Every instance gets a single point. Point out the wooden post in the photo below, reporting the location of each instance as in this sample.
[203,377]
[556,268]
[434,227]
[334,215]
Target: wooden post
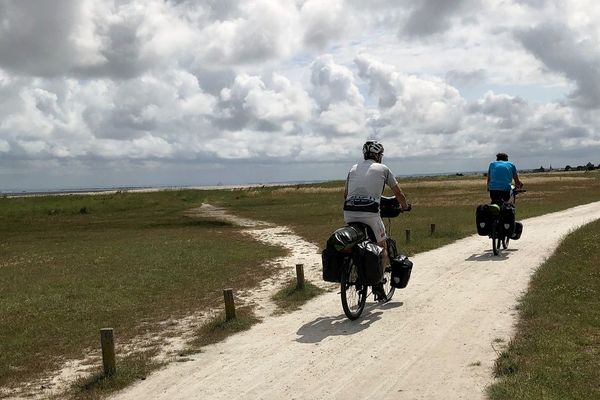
[300,276]
[432,229]
[408,236]
[229,304]
[108,351]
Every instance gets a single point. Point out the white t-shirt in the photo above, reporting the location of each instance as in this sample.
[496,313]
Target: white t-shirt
[367,180]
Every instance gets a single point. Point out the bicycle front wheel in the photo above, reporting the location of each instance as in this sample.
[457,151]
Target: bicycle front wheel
[495,239]
[387,283]
[353,294]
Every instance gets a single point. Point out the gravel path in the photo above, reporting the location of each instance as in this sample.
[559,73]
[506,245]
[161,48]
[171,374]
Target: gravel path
[437,339]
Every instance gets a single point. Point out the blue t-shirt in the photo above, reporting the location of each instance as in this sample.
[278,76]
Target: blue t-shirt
[501,175]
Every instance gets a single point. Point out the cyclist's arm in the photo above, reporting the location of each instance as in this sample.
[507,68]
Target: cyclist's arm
[346,187]
[518,182]
[400,196]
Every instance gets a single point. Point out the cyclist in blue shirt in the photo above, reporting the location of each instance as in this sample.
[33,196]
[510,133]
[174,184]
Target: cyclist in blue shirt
[499,178]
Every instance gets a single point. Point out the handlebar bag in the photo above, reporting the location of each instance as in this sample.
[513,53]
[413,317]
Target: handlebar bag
[368,257]
[401,270]
[389,207]
[333,262]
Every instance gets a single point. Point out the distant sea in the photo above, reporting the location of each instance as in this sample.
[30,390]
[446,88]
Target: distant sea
[113,189]
[99,190]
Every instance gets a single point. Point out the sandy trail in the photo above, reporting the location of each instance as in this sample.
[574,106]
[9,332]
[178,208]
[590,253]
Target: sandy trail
[437,339]
[174,335]
[300,252]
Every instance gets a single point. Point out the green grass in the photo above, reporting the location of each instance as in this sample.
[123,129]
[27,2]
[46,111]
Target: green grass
[291,297]
[129,369]
[130,260]
[556,351]
[447,202]
[133,260]
[219,328]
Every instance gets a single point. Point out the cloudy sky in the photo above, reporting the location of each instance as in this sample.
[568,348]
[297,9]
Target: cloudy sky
[182,92]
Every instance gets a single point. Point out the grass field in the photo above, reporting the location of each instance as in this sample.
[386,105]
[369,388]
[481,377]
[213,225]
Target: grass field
[314,211]
[129,261]
[556,352]
[70,265]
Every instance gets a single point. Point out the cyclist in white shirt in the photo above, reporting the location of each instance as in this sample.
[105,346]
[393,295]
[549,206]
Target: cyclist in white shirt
[364,187]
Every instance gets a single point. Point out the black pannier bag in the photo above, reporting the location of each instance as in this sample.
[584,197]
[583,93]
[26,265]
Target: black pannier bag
[333,262]
[368,257]
[401,270]
[344,238]
[507,218]
[517,232]
[483,219]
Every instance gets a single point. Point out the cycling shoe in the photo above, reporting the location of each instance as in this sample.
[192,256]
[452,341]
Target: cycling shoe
[379,293]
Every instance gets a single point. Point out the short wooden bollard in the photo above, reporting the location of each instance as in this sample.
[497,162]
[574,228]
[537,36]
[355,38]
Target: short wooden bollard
[229,304]
[108,351]
[432,229]
[300,276]
[408,236]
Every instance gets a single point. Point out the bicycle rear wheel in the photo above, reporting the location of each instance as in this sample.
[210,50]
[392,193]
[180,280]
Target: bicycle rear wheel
[353,294]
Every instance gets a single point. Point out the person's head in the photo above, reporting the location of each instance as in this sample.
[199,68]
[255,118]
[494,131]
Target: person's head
[373,150]
[501,157]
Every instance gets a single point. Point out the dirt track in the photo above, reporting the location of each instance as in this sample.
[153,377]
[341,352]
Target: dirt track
[437,339]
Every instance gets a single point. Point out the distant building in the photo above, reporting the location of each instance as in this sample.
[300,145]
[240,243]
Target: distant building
[540,169]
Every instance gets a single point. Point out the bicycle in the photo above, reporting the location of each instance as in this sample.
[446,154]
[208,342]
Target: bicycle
[353,291]
[499,234]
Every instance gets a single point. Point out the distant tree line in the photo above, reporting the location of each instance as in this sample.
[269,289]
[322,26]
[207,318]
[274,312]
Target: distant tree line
[587,167]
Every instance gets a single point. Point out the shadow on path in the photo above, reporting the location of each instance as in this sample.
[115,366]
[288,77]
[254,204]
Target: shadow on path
[489,256]
[323,327]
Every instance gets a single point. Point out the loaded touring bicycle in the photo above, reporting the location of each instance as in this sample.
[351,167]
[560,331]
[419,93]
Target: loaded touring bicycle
[353,259]
[497,221]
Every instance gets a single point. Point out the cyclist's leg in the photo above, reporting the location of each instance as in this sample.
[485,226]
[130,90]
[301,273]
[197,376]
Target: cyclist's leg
[376,224]
[378,228]
[496,197]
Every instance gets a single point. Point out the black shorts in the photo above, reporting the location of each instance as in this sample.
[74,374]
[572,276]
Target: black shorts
[499,196]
